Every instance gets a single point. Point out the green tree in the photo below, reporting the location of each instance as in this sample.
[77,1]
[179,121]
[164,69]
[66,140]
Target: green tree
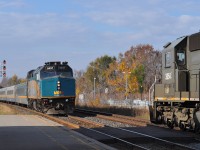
[139,73]
[97,69]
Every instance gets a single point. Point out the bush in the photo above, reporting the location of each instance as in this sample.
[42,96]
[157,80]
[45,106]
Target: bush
[135,112]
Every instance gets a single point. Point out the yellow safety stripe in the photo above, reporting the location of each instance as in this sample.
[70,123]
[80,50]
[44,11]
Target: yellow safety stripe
[21,96]
[176,98]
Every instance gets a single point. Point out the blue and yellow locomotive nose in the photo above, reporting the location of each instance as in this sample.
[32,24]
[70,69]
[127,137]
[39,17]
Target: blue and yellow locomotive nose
[57,87]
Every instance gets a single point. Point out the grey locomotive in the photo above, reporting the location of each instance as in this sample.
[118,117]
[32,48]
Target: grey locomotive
[175,101]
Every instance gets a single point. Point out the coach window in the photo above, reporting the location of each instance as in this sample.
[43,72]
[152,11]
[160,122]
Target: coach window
[168,59]
[180,57]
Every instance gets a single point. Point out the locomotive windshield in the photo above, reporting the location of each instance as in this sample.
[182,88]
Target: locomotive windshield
[180,57]
[51,71]
[46,74]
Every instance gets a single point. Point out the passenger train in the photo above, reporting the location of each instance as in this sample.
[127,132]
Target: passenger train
[50,87]
[176,101]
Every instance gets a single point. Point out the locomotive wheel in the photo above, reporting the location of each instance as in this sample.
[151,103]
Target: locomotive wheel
[182,126]
[30,104]
[34,105]
[197,130]
[175,121]
[159,119]
[170,124]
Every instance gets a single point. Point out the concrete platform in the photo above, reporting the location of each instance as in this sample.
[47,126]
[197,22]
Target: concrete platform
[31,132]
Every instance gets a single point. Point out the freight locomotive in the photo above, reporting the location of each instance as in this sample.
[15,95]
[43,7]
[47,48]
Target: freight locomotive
[175,101]
[50,87]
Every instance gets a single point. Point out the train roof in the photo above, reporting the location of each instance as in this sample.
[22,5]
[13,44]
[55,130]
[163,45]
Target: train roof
[170,45]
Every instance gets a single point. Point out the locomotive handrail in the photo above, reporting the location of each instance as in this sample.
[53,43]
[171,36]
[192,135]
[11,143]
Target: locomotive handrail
[189,70]
[184,70]
[150,90]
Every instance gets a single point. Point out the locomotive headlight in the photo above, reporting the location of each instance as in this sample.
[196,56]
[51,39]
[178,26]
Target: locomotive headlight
[58,85]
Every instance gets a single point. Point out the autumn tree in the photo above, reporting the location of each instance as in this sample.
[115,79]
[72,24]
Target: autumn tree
[81,86]
[120,76]
[149,59]
[131,73]
[96,71]
[14,80]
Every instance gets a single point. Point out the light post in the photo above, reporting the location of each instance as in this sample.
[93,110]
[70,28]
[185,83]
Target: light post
[126,73]
[94,89]
[141,91]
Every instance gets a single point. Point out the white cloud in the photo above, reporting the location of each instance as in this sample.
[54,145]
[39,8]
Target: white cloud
[32,28]
[11,3]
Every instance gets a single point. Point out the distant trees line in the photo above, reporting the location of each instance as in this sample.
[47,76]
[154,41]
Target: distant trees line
[129,75]
[11,81]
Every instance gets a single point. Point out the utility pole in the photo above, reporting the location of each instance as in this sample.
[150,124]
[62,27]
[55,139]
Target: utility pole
[94,89]
[126,74]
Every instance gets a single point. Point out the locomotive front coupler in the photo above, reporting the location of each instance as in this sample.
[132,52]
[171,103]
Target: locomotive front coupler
[59,106]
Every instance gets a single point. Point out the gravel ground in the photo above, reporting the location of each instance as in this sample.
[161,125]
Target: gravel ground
[86,125]
[108,122]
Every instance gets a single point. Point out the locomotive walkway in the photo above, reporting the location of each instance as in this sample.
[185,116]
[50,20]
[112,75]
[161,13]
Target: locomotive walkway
[33,132]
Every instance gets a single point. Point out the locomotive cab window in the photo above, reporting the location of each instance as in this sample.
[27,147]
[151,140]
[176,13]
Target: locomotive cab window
[180,57]
[62,71]
[168,59]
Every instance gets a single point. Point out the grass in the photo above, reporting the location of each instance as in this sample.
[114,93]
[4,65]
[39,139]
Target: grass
[6,110]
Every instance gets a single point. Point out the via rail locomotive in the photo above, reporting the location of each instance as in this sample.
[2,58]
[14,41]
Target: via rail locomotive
[48,88]
[176,101]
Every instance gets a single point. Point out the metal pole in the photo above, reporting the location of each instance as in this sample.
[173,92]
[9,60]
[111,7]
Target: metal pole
[126,74]
[150,90]
[126,85]
[94,89]
[141,91]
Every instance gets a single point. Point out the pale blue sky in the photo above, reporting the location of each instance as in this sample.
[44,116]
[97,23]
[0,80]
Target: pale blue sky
[78,31]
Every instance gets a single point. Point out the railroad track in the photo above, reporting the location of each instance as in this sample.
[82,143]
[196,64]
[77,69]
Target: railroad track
[136,140]
[120,138]
[132,139]
[117,118]
[121,118]
[159,143]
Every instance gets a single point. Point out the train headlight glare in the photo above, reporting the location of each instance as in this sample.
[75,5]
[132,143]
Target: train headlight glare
[67,100]
[58,82]
[50,100]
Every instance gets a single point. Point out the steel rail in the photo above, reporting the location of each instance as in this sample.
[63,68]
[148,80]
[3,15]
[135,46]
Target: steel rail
[121,140]
[146,135]
[162,140]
